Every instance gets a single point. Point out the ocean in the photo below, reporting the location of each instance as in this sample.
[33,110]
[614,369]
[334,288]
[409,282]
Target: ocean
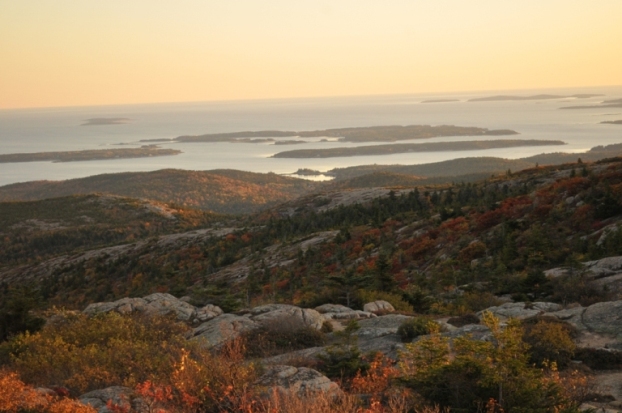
[59,129]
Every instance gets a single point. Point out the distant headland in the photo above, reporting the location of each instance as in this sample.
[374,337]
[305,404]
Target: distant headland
[533,97]
[413,147]
[440,100]
[105,121]
[88,155]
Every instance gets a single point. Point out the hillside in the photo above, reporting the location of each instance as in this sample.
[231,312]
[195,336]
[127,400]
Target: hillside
[35,230]
[453,169]
[428,238]
[221,191]
[518,273]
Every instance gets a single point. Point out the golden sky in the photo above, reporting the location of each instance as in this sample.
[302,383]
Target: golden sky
[91,52]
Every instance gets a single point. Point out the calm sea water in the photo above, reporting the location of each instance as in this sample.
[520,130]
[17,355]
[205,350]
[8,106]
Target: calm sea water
[58,129]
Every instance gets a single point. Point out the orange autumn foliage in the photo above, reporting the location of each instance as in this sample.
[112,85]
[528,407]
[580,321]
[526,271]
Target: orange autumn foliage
[17,397]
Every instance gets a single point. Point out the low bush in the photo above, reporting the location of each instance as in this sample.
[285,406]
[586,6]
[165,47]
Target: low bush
[463,320]
[280,336]
[550,340]
[413,328]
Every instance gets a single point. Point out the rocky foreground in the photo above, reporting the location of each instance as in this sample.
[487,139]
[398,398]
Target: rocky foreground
[598,327]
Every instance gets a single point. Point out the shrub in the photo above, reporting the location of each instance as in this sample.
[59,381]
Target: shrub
[549,341]
[85,354]
[413,328]
[468,373]
[463,320]
[281,335]
[18,397]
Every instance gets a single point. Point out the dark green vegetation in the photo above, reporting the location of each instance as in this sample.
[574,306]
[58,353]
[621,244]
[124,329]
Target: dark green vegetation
[414,147]
[88,155]
[106,121]
[613,122]
[369,134]
[614,103]
[36,230]
[534,97]
[223,191]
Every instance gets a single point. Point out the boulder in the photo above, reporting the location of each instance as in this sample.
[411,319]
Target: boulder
[333,308]
[208,312]
[604,267]
[161,303]
[299,380]
[604,318]
[158,303]
[378,306]
[352,315]
[274,312]
[225,327]
[341,312]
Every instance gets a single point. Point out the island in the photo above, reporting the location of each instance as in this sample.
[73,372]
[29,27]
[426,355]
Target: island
[414,147]
[289,142]
[613,122]
[614,103]
[89,155]
[248,140]
[440,101]
[307,172]
[362,134]
[106,121]
[533,97]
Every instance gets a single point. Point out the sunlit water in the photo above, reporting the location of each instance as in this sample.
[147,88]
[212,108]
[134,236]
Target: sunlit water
[38,130]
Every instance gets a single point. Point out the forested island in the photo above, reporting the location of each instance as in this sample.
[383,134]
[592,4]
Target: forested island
[106,121]
[88,155]
[613,122]
[364,134]
[413,147]
[533,97]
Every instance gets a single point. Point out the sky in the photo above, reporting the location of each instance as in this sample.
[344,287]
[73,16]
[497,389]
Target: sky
[92,52]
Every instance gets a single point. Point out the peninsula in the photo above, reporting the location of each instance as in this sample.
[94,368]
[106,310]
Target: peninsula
[88,155]
[106,121]
[613,122]
[440,101]
[413,147]
[533,97]
[364,134]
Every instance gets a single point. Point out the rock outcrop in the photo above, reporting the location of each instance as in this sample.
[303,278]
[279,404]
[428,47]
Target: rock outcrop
[223,328]
[158,303]
[300,380]
[271,312]
[521,310]
[379,306]
[341,312]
